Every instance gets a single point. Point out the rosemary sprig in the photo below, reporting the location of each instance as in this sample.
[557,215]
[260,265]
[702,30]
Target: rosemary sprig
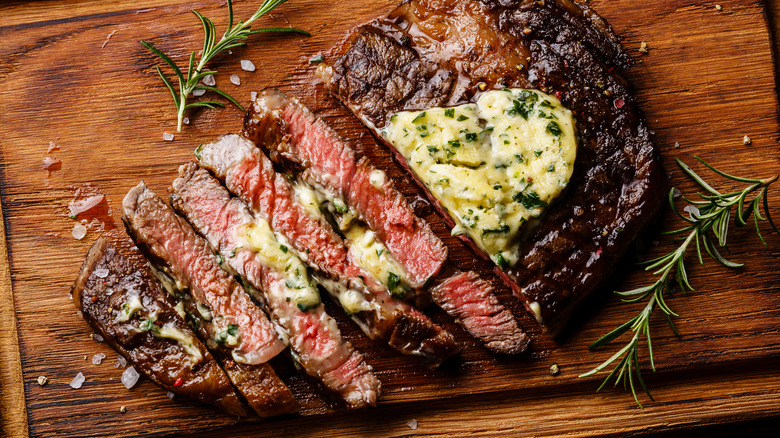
[234,36]
[708,225]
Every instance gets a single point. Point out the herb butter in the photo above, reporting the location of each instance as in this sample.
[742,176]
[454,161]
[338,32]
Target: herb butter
[494,165]
[366,249]
[272,251]
[372,255]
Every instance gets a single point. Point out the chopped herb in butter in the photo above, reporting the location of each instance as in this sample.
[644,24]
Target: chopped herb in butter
[273,252]
[494,165]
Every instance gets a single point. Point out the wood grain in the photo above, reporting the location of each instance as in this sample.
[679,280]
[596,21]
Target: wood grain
[13,417]
[707,81]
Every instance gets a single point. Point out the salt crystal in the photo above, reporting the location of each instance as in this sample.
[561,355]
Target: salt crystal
[209,80]
[79,231]
[98,358]
[676,193]
[48,162]
[692,211]
[170,395]
[186,120]
[167,136]
[253,95]
[130,377]
[98,338]
[78,206]
[247,65]
[120,361]
[107,38]
[102,272]
[412,424]
[77,381]
[198,93]
[235,79]
[676,144]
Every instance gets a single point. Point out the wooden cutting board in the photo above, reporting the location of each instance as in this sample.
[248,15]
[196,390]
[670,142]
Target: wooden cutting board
[73,73]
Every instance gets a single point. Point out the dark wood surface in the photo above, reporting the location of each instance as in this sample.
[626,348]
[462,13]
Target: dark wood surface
[707,81]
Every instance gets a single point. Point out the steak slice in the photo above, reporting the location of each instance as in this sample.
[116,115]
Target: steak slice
[432,53]
[315,338]
[292,136]
[249,174]
[472,302]
[116,293]
[237,331]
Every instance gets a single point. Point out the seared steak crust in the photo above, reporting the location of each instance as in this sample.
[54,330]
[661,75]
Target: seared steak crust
[559,47]
[107,284]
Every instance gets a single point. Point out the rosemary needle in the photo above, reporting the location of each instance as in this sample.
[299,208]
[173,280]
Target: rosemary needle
[234,36]
[708,224]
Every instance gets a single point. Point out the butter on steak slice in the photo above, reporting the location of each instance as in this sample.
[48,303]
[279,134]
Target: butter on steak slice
[124,303]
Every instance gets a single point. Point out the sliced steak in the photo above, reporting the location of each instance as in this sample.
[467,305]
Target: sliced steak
[249,174]
[294,137]
[117,294]
[431,53]
[470,299]
[237,331]
[280,276]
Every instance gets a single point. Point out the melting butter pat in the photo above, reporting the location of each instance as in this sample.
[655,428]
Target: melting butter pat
[373,256]
[170,332]
[494,165]
[260,238]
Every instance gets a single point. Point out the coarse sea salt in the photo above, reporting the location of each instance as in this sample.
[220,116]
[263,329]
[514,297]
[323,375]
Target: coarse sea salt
[209,80]
[130,377]
[49,162]
[79,231]
[186,120]
[412,424]
[98,358]
[77,381]
[120,361]
[235,79]
[692,211]
[247,65]
[81,205]
[167,136]
[101,272]
[253,95]
[170,395]
[198,93]
[98,338]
